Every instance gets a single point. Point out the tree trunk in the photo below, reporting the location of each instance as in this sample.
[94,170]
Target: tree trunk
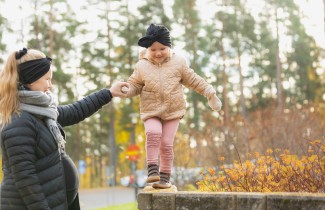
[241,85]
[278,66]
[324,14]
[36,26]
[224,87]
[50,28]
[111,109]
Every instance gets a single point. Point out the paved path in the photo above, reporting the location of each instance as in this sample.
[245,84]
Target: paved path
[96,198]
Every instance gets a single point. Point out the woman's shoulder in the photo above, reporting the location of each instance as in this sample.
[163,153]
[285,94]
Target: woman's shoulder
[21,131]
[22,115]
[22,119]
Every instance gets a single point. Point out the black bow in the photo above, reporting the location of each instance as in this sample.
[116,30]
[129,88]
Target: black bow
[155,33]
[20,53]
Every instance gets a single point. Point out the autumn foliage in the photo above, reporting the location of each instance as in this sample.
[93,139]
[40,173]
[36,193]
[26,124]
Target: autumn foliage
[276,171]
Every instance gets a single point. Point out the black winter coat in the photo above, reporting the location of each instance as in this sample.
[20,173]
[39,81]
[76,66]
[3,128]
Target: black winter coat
[33,171]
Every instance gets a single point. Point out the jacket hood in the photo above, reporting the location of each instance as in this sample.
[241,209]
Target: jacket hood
[142,54]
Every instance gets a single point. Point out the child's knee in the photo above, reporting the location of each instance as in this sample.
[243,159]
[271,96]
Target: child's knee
[153,138]
[167,152]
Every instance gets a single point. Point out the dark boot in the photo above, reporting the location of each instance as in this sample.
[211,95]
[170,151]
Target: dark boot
[164,181]
[153,173]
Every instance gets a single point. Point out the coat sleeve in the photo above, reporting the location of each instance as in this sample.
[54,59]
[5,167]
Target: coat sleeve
[135,83]
[192,80]
[19,142]
[73,113]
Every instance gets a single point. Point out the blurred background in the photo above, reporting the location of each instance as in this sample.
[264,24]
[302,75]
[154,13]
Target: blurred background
[264,57]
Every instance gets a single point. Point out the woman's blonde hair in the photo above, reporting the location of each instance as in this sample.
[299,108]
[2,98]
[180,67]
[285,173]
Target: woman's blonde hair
[9,82]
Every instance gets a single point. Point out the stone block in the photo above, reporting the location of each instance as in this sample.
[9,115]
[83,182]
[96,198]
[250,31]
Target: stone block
[155,200]
[163,201]
[295,201]
[251,201]
[145,201]
[205,201]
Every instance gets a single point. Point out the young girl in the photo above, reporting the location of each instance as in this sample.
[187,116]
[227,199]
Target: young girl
[37,172]
[158,78]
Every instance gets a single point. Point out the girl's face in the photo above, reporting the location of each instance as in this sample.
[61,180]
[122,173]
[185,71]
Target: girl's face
[158,52]
[43,84]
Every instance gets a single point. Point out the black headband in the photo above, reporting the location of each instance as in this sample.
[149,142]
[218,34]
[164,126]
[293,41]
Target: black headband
[32,70]
[155,33]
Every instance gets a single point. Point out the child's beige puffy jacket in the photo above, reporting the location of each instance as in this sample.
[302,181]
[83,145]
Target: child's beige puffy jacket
[160,87]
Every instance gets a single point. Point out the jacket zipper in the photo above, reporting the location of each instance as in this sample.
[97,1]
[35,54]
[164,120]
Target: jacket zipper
[161,89]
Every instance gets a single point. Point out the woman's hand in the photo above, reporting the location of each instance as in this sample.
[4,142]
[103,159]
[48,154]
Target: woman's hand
[117,91]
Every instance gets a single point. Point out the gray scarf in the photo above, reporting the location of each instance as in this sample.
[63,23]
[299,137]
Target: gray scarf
[43,104]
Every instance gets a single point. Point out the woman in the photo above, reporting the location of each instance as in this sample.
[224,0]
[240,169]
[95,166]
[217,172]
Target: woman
[38,174]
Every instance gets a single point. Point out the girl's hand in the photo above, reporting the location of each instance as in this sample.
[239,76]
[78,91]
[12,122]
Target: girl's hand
[214,102]
[124,89]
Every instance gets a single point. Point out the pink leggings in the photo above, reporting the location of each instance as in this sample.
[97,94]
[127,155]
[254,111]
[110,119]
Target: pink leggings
[160,138]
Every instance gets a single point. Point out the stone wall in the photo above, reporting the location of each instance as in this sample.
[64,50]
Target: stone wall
[230,201]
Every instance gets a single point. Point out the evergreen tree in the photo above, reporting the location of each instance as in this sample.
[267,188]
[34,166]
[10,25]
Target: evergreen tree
[188,21]
[303,62]
[4,27]
[99,67]
[263,67]
[53,24]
